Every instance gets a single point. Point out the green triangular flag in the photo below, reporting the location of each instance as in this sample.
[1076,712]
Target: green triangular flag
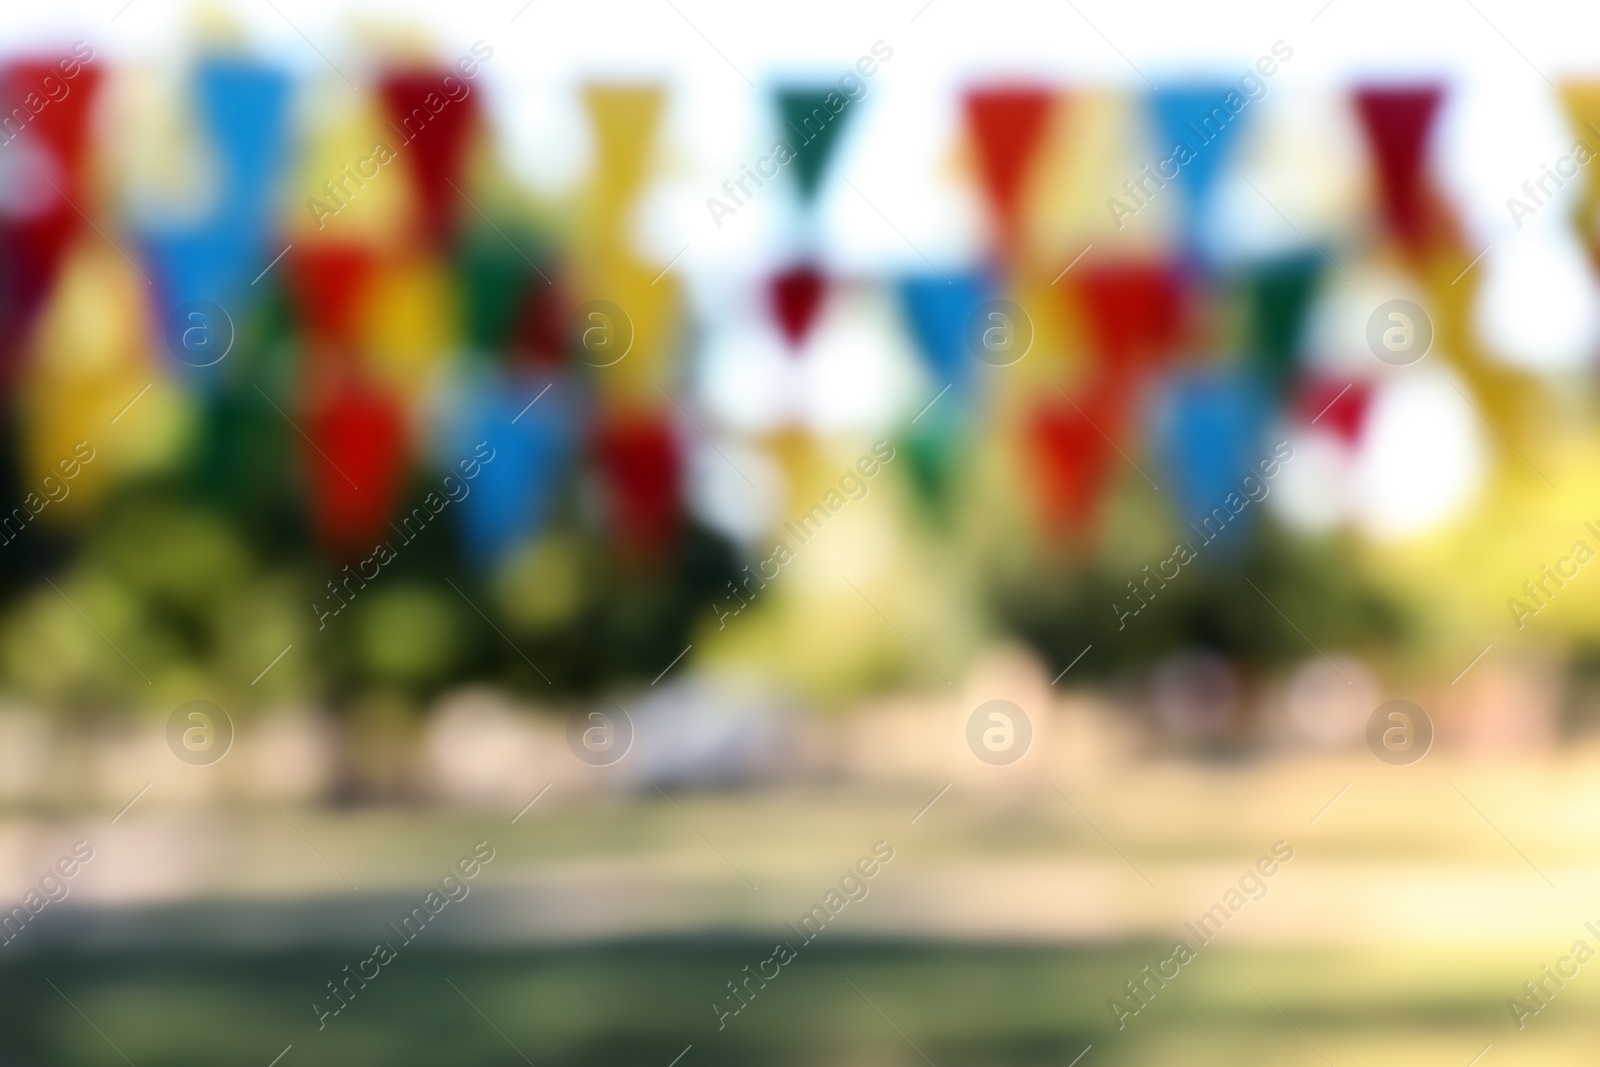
[811,129]
[1280,296]
[934,453]
[495,276]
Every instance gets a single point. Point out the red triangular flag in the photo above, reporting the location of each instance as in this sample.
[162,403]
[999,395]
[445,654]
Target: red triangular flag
[1397,122]
[539,339]
[355,465]
[640,469]
[324,284]
[64,123]
[796,299]
[1073,456]
[1006,124]
[34,239]
[431,140]
[1135,312]
[1339,408]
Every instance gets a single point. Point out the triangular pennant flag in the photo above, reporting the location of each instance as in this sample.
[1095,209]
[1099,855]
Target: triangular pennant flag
[932,449]
[355,464]
[1068,440]
[641,343]
[938,311]
[63,126]
[1006,124]
[1210,439]
[640,470]
[811,129]
[1280,293]
[1397,122]
[1135,312]
[244,107]
[1196,126]
[243,110]
[496,277]
[524,449]
[326,283]
[31,251]
[37,223]
[200,263]
[89,356]
[796,298]
[624,120]
[1340,408]
[1581,101]
[539,339]
[431,130]
[408,331]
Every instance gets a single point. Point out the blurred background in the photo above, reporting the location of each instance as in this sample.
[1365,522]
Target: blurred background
[555,492]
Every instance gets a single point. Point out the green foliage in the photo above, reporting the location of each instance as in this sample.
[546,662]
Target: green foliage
[1271,605]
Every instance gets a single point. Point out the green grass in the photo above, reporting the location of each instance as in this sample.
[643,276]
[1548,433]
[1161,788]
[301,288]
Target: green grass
[643,1003]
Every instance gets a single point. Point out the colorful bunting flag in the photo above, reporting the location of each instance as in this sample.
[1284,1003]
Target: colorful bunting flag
[796,296]
[1006,125]
[1398,122]
[812,127]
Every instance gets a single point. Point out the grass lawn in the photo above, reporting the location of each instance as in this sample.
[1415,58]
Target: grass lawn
[841,1003]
